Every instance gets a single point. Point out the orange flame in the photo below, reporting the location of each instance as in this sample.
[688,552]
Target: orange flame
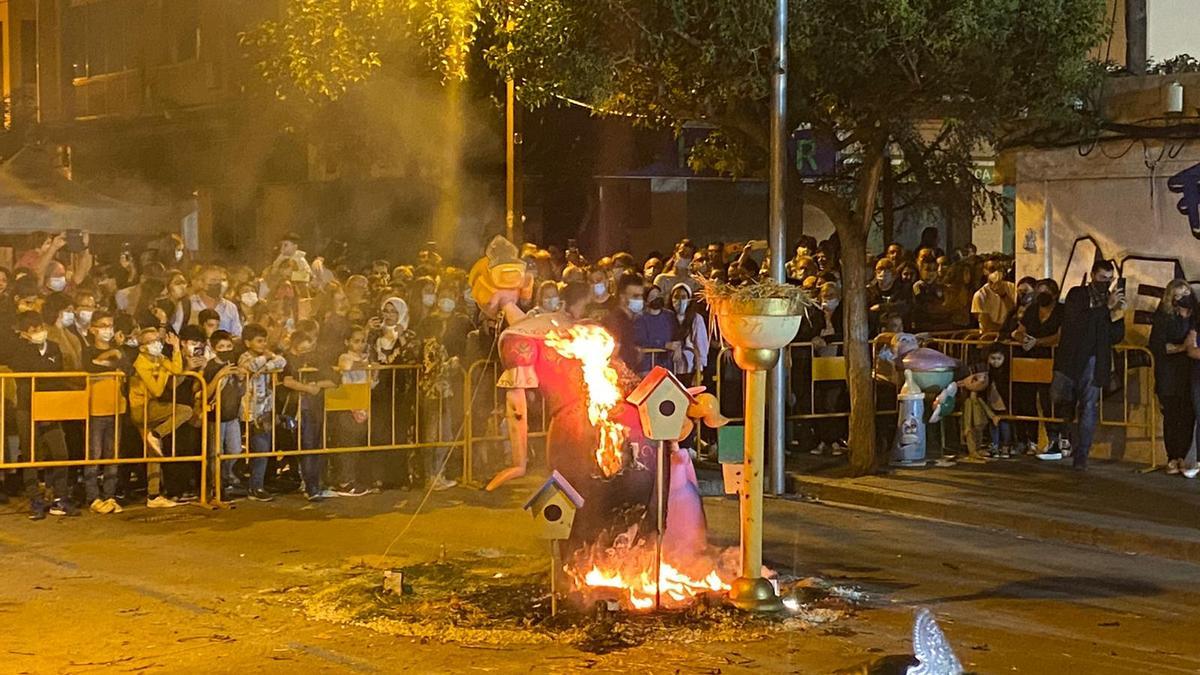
[593,347]
[639,590]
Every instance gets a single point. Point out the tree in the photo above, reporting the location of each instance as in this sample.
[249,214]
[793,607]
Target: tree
[931,82]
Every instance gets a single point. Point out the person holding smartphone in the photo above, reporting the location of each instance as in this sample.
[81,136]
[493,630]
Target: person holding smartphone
[1093,321]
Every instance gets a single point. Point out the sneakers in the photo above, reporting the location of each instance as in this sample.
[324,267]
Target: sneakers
[820,449]
[37,509]
[1031,448]
[115,507]
[1065,445]
[154,442]
[840,448]
[1053,451]
[161,502]
[323,495]
[1191,472]
[260,495]
[100,506]
[350,491]
[62,507]
[1173,467]
[440,484]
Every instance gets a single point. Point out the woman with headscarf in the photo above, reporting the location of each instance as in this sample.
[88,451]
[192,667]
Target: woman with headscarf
[689,343]
[392,401]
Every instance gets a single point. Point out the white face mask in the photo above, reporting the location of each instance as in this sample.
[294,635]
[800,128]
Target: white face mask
[178,254]
[428,299]
[105,334]
[155,348]
[599,289]
[84,317]
[131,342]
[68,319]
[38,338]
[446,305]
[636,305]
[249,298]
[682,305]
[552,303]
[57,284]
[224,287]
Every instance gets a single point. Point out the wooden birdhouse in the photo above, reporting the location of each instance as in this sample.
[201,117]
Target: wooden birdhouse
[553,507]
[662,402]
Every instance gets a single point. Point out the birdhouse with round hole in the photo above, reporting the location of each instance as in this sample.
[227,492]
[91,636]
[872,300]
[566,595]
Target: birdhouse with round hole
[553,507]
[662,402]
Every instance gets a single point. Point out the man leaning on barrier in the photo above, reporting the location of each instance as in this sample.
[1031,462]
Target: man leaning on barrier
[34,353]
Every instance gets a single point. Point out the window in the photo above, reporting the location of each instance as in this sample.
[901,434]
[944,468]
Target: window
[182,18]
[102,37]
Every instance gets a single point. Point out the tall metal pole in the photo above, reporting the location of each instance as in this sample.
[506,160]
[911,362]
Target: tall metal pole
[510,163]
[778,232]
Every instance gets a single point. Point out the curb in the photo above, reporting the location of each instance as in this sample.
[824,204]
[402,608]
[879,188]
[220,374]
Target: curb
[1181,544]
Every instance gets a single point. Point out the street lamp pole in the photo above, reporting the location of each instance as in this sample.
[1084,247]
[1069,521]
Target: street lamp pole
[777,433]
[514,221]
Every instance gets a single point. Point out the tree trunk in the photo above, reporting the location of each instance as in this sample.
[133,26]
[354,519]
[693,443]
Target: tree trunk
[854,301]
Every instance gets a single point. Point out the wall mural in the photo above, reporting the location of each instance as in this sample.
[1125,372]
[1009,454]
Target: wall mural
[1187,183]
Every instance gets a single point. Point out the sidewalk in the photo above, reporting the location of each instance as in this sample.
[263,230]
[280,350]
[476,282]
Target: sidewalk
[1111,506]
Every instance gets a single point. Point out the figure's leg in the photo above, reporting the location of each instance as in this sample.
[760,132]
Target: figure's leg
[516,414]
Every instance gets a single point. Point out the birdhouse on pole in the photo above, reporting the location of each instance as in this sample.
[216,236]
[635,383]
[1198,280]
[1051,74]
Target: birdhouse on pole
[553,507]
[662,402]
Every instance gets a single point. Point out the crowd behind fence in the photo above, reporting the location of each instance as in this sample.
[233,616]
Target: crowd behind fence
[386,416]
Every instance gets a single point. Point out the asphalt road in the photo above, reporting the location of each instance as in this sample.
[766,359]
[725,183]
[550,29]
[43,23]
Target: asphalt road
[189,590]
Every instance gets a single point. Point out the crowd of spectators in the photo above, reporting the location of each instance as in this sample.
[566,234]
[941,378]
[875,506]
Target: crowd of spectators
[269,343]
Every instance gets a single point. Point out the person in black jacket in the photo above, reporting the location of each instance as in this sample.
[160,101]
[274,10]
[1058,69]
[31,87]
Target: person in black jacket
[1172,381]
[1093,321]
[34,353]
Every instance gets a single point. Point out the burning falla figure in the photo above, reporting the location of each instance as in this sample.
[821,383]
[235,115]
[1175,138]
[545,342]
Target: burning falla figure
[595,437]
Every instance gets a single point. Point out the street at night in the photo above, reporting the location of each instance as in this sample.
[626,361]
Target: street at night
[189,590]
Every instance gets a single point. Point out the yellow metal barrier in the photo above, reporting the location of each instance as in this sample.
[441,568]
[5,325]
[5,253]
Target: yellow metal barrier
[82,397]
[404,425]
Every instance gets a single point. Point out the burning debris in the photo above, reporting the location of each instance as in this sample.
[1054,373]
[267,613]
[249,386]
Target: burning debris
[479,599]
[624,571]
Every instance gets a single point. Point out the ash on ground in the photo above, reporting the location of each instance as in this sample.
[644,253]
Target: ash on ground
[486,598]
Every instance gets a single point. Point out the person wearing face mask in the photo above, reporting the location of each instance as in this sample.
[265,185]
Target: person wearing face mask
[689,341]
[602,301]
[34,353]
[620,320]
[1093,321]
[547,299]
[677,274]
[1037,333]
[1172,371]
[822,328]
[392,344]
[103,355]
[995,300]
[153,417]
[446,324]
[59,315]
[85,308]
[886,293]
[653,329]
[213,284]
[225,392]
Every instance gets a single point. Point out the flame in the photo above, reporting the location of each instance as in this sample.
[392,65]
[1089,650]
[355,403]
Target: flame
[593,347]
[622,569]
[677,588]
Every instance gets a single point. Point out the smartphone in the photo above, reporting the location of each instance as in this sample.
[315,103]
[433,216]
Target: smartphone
[75,241]
[1121,284]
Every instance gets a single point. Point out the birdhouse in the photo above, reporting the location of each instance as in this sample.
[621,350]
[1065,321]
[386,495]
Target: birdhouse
[553,507]
[662,402]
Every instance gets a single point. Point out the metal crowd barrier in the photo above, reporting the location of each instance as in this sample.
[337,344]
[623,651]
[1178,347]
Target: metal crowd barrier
[402,433]
[81,398]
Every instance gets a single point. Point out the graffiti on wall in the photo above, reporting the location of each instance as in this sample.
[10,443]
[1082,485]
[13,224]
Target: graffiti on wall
[1187,184]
